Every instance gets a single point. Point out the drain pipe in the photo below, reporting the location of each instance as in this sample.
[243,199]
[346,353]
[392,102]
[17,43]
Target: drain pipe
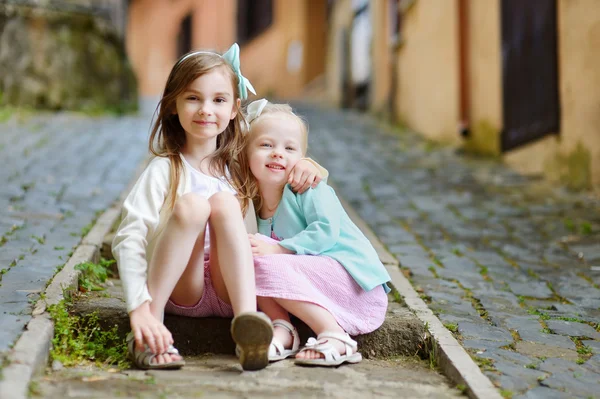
[463,68]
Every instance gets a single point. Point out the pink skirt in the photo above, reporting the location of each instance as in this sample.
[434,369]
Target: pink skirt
[324,282]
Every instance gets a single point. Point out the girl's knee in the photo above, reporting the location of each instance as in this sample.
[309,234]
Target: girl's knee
[224,204]
[191,209]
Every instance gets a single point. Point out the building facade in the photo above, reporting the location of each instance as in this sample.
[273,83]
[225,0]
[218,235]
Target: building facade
[283,42]
[507,78]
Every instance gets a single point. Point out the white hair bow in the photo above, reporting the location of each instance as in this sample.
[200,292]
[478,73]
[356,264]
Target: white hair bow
[254,109]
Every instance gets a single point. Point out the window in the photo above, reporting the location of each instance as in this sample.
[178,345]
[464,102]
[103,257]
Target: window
[253,18]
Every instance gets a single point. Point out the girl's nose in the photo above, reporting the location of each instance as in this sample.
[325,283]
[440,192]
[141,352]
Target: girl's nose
[204,109]
[276,154]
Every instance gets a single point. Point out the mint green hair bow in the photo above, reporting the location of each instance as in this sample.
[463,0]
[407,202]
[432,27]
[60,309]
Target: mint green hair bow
[232,56]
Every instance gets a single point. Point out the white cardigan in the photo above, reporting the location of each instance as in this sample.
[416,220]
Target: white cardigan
[145,215]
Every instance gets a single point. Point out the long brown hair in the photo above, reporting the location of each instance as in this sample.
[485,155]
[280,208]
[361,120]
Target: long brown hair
[168,137]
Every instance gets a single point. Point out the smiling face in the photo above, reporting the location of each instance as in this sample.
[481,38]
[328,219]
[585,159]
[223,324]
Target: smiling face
[277,143]
[206,106]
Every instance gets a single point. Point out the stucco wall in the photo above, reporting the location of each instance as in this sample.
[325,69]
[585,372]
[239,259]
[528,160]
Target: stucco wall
[339,20]
[265,58]
[382,53]
[428,100]
[485,76]
[214,25]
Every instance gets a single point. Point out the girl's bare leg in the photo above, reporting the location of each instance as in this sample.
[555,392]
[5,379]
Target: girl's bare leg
[318,319]
[231,263]
[275,311]
[232,275]
[177,267]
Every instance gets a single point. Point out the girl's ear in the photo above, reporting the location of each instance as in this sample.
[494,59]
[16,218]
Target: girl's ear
[238,104]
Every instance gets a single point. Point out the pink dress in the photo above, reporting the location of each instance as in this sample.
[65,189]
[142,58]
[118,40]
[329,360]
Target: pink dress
[322,281]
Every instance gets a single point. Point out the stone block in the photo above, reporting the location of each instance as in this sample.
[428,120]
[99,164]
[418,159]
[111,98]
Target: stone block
[402,333]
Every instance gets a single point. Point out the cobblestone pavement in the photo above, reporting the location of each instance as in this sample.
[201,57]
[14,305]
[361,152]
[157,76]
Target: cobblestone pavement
[504,260]
[58,172]
[217,376]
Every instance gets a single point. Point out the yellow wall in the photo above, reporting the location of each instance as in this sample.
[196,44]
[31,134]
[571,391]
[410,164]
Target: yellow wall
[382,51]
[428,90]
[264,59]
[151,40]
[339,20]
[154,26]
[574,157]
[485,76]
[214,24]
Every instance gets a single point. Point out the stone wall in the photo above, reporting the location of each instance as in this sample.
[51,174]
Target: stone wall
[63,55]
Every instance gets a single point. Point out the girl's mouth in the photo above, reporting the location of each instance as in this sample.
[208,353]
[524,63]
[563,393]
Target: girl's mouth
[275,166]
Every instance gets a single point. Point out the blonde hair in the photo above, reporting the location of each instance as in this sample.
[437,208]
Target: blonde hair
[268,111]
[168,136]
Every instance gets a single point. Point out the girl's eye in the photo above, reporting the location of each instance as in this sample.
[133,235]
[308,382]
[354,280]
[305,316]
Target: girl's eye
[220,100]
[193,98]
[290,148]
[265,145]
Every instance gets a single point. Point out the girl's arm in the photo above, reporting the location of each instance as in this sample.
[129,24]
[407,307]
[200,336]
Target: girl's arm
[305,174]
[323,214]
[140,218]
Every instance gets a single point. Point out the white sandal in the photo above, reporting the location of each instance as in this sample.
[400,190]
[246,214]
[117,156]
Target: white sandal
[332,356]
[143,359]
[276,350]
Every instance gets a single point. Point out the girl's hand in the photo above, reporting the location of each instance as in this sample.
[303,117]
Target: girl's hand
[304,175]
[262,248]
[147,329]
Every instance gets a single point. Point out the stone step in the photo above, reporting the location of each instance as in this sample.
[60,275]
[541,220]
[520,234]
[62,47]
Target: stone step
[402,333]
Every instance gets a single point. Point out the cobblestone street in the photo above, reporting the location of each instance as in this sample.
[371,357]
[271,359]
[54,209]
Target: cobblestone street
[58,171]
[504,260]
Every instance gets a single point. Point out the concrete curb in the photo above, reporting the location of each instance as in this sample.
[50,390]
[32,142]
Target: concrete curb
[453,360]
[30,353]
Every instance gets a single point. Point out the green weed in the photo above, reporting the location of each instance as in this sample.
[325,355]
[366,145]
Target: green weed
[80,339]
[451,327]
[93,274]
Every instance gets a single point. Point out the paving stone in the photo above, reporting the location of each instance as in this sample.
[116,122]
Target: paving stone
[482,345]
[531,289]
[595,345]
[504,355]
[489,259]
[543,393]
[394,234]
[499,302]
[536,349]
[573,329]
[593,364]
[12,327]
[484,332]
[590,251]
[517,377]
[573,385]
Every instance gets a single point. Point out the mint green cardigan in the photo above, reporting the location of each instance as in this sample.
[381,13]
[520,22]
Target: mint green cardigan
[315,223]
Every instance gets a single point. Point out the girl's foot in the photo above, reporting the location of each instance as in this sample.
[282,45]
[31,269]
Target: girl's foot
[326,350]
[313,354]
[165,359]
[252,332]
[145,359]
[285,341]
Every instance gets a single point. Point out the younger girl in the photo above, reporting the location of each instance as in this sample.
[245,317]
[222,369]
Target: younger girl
[341,291]
[187,194]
